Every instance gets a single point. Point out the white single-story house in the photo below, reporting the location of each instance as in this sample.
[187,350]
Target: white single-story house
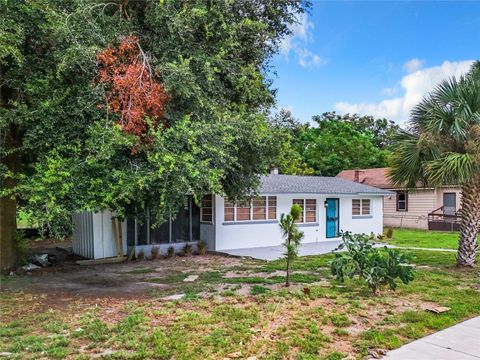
[329,204]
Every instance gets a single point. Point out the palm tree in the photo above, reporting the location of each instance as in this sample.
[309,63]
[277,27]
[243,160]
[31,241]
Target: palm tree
[292,236]
[442,147]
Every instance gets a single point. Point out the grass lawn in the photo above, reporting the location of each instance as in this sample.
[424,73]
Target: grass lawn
[330,320]
[424,239]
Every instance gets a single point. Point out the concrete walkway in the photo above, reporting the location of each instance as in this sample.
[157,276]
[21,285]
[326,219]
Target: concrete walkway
[277,252]
[459,342]
[323,247]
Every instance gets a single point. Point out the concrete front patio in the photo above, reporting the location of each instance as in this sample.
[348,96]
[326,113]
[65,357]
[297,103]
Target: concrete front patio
[459,342]
[276,252]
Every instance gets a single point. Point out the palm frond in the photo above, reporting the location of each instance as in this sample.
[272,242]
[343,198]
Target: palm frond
[407,161]
[450,168]
[441,145]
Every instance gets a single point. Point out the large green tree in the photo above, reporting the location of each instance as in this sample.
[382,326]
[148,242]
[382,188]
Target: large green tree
[63,151]
[336,145]
[442,147]
[381,131]
[286,130]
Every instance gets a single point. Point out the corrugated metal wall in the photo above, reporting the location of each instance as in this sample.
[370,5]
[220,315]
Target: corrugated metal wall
[82,237]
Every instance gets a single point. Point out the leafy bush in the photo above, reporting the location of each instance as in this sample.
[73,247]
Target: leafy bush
[377,267]
[202,247]
[155,252]
[170,251]
[187,250]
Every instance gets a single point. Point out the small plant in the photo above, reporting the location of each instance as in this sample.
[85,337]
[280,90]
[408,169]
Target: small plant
[170,251]
[155,251]
[292,236]
[380,237]
[258,289]
[377,268]
[202,247]
[389,233]
[140,255]
[187,250]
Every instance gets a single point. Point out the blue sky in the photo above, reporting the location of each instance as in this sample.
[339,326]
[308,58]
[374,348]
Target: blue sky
[375,58]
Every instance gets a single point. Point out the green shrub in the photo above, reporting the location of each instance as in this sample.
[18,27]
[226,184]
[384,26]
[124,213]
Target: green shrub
[258,289]
[377,267]
[155,252]
[170,251]
[187,250]
[202,247]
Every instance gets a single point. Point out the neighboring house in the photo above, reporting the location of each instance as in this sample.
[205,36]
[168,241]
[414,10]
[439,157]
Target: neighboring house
[329,204]
[419,208]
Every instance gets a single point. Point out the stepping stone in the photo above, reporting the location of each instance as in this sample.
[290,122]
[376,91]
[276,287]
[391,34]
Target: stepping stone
[190,278]
[173,297]
[107,352]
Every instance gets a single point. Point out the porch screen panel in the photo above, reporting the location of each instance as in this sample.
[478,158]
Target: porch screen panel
[130,231]
[161,233]
[195,222]
[142,232]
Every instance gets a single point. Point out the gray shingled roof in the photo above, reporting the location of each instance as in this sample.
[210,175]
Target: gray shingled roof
[291,184]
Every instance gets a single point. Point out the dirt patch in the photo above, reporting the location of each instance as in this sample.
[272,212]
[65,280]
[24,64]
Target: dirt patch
[136,278]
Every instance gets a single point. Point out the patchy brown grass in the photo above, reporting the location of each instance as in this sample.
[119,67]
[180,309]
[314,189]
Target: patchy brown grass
[83,311]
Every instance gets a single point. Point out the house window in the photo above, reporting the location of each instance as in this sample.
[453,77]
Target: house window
[272,207]
[402,201]
[206,210]
[361,207]
[243,211]
[229,207]
[257,209]
[309,210]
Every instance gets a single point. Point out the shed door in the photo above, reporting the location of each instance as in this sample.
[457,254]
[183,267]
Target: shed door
[449,203]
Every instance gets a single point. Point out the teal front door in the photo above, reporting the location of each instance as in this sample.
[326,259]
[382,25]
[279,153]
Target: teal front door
[332,218]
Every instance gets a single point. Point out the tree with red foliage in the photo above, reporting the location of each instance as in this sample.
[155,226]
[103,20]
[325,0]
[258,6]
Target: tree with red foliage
[132,91]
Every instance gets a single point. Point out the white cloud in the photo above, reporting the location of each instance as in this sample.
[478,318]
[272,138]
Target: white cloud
[295,43]
[306,58]
[390,91]
[413,65]
[414,86]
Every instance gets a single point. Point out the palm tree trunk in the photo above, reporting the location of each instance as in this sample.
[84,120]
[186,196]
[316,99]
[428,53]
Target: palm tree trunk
[470,212]
[287,283]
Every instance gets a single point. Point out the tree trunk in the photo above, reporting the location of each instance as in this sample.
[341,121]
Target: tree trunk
[470,213]
[8,227]
[10,140]
[8,222]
